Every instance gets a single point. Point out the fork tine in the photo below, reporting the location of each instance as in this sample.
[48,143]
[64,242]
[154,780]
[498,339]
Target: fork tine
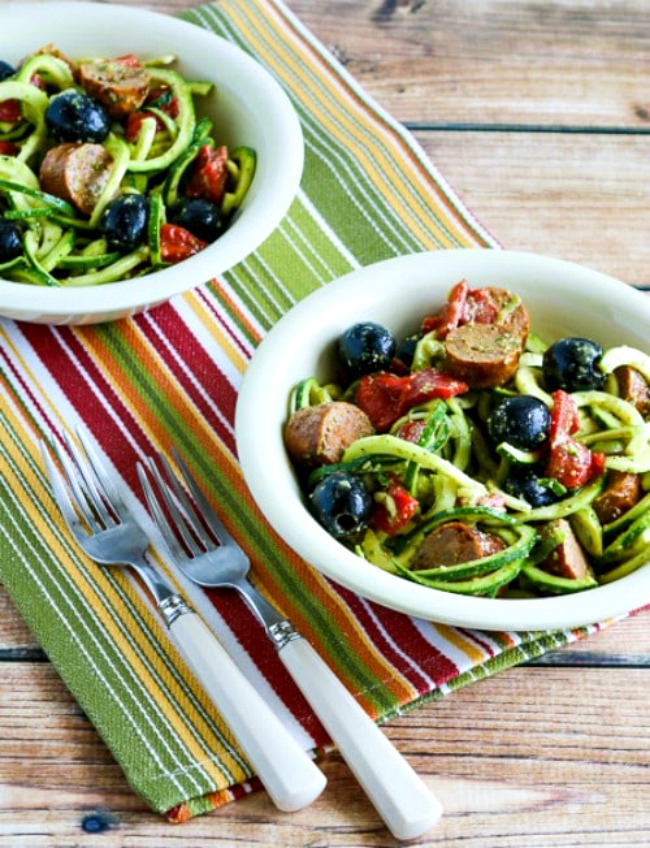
[81,492]
[84,486]
[156,507]
[101,479]
[190,519]
[60,490]
[192,528]
[210,516]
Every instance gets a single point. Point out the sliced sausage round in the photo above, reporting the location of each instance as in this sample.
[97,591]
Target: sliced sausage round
[453,543]
[482,355]
[76,172]
[567,559]
[622,490]
[633,387]
[121,86]
[500,307]
[320,435]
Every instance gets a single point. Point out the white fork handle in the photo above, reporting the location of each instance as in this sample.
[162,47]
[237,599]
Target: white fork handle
[287,772]
[400,796]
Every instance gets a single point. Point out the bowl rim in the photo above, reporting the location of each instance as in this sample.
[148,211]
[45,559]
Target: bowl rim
[260,219]
[313,544]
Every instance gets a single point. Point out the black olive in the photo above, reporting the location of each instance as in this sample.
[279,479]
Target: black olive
[6,70]
[124,221]
[342,504]
[571,364]
[201,217]
[11,241]
[523,421]
[406,349]
[74,116]
[523,481]
[367,347]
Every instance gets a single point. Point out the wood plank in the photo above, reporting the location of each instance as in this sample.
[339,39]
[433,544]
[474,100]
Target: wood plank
[566,62]
[532,756]
[582,198]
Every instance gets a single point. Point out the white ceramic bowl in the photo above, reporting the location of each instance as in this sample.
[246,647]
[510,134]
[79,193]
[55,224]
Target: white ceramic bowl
[563,299]
[248,105]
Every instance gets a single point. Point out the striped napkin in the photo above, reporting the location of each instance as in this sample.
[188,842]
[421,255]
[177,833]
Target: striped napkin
[170,377]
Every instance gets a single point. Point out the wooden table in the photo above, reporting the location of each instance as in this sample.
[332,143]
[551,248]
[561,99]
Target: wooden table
[538,113]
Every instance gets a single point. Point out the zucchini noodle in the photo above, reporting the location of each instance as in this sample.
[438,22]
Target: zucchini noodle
[63,243]
[391,446]
[439,453]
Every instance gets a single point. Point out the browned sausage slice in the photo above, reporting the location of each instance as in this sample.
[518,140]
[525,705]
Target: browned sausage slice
[121,86]
[568,558]
[320,435]
[622,491]
[76,172]
[633,387]
[453,543]
[483,355]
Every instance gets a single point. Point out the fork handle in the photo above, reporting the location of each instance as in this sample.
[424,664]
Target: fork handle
[287,772]
[400,796]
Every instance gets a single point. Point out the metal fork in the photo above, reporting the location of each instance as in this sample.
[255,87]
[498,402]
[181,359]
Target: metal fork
[101,523]
[207,553]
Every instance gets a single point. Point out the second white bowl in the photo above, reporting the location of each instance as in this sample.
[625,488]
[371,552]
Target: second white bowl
[247,105]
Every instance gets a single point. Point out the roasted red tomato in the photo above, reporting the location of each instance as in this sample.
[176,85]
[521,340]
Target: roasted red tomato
[209,174]
[134,122]
[8,148]
[428,384]
[564,416]
[130,60]
[386,397]
[570,462]
[394,508]
[452,313]
[411,431]
[163,100]
[177,243]
[379,395]
[10,112]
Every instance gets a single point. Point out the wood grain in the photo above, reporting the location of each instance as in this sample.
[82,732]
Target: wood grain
[516,757]
[494,61]
[551,752]
[539,116]
[584,198]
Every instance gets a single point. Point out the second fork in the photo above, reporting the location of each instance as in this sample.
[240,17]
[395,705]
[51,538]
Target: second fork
[206,553]
[105,529]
